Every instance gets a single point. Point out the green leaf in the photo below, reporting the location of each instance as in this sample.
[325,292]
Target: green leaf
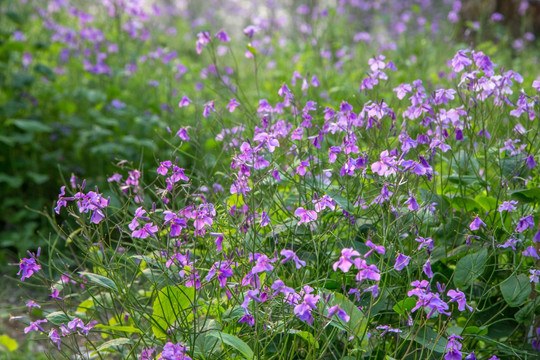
[357,323]
[427,338]
[475,330]
[306,336]
[171,305]
[127,329]
[234,342]
[100,280]
[469,268]
[10,344]
[525,315]
[251,49]
[405,306]
[58,317]
[112,343]
[488,203]
[516,289]
[34,126]
[527,196]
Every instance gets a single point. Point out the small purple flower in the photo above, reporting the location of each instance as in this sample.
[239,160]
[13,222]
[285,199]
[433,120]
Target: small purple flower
[453,348]
[34,326]
[530,252]
[55,338]
[149,229]
[345,261]
[118,104]
[31,304]
[386,328]
[336,310]
[251,30]
[401,262]
[55,294]
[208,107]
[291,255]
[184,102]
[182,134]
[305,216]
[222,36]
[174,352]
[508,206]
[29,266]
[459,297]
[232,105]
[525,223]
[476,223]
[427,269]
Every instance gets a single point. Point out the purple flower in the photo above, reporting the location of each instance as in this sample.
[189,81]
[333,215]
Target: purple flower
[174,352]
[55,338]
[461,60]
[525,223]
[223,271]
[303,310]
[291,255]
[31,304]
[425,242]
[250,30]
[401,262]
[459,297]
[145,231]
[324,202]
[222,36]
[184,102]
[305,216]
[182,134]
[336,310]
[118,104]
[203,38]
[232,105]
[530,252]
[530,162]
[508,206]
[28,267]
[453,348]
[476,223]
[208,107]
[55,294]
[386,328]
[263,263]
[427,269]
[34,326]
[345,261]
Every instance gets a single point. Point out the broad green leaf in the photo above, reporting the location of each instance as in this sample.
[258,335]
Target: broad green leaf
[525,315]
[31,125]
[306,336]
[10,344]
[112,343]
[469,268]
[171,307]
[516,289]
[85,305]
[527,196]
[405,306]
[127,329]
[58,317]
[475,330]
[357,323]
[427,338]
[488,203]
[234,342]
[251,49]
[100,280]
